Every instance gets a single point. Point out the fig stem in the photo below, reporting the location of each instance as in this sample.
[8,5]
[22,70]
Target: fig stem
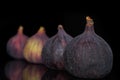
[89,21]
[41,29]
[60,26]
[20,30]
[89,25]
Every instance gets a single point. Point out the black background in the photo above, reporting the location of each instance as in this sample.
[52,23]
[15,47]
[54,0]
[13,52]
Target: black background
[106,25]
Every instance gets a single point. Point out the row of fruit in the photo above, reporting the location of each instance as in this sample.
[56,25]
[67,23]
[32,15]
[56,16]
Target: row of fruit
[86,55]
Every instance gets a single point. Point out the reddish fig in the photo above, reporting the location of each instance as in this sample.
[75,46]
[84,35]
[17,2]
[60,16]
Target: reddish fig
[88,55]
[14,70]
[52,53]
[34,72]
[16,44]
[34,45]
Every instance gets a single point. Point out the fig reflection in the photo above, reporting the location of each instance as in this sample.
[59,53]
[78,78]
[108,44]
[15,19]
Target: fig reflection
[34,72]
[64,75]
[14,69]
[56,75]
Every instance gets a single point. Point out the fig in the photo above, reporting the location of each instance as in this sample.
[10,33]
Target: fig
[52,53]
[34,72]
[14,69]
[88,55]
[34,45]
[15,44]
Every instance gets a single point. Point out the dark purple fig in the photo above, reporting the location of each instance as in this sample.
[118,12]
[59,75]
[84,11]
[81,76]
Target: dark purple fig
[52,53]
[16,44]
[34,45]
[88,55]
[14,69]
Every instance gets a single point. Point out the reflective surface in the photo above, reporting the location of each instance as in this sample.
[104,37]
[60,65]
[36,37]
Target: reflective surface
[22,70]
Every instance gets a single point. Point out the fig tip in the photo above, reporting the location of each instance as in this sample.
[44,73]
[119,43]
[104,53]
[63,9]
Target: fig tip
[41,29]
[89,20]
[60,26]
[20,29]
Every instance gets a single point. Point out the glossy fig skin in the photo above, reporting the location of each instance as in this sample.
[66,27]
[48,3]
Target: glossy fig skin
[52,53]
[88,55]
[34,45]
[15,44]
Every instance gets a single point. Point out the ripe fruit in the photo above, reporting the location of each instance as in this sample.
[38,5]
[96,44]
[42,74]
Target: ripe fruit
[16,44]
[34,72]
[88,55]
[14,69]
[52,53]
[34,45]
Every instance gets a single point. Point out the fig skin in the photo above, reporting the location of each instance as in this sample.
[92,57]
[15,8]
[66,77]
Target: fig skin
[52,53]
[88,55]
[15,44]
[34,45]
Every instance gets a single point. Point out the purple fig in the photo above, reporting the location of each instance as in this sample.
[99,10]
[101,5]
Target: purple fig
[88,55]
[52,53]
[34,45]
[16,44]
